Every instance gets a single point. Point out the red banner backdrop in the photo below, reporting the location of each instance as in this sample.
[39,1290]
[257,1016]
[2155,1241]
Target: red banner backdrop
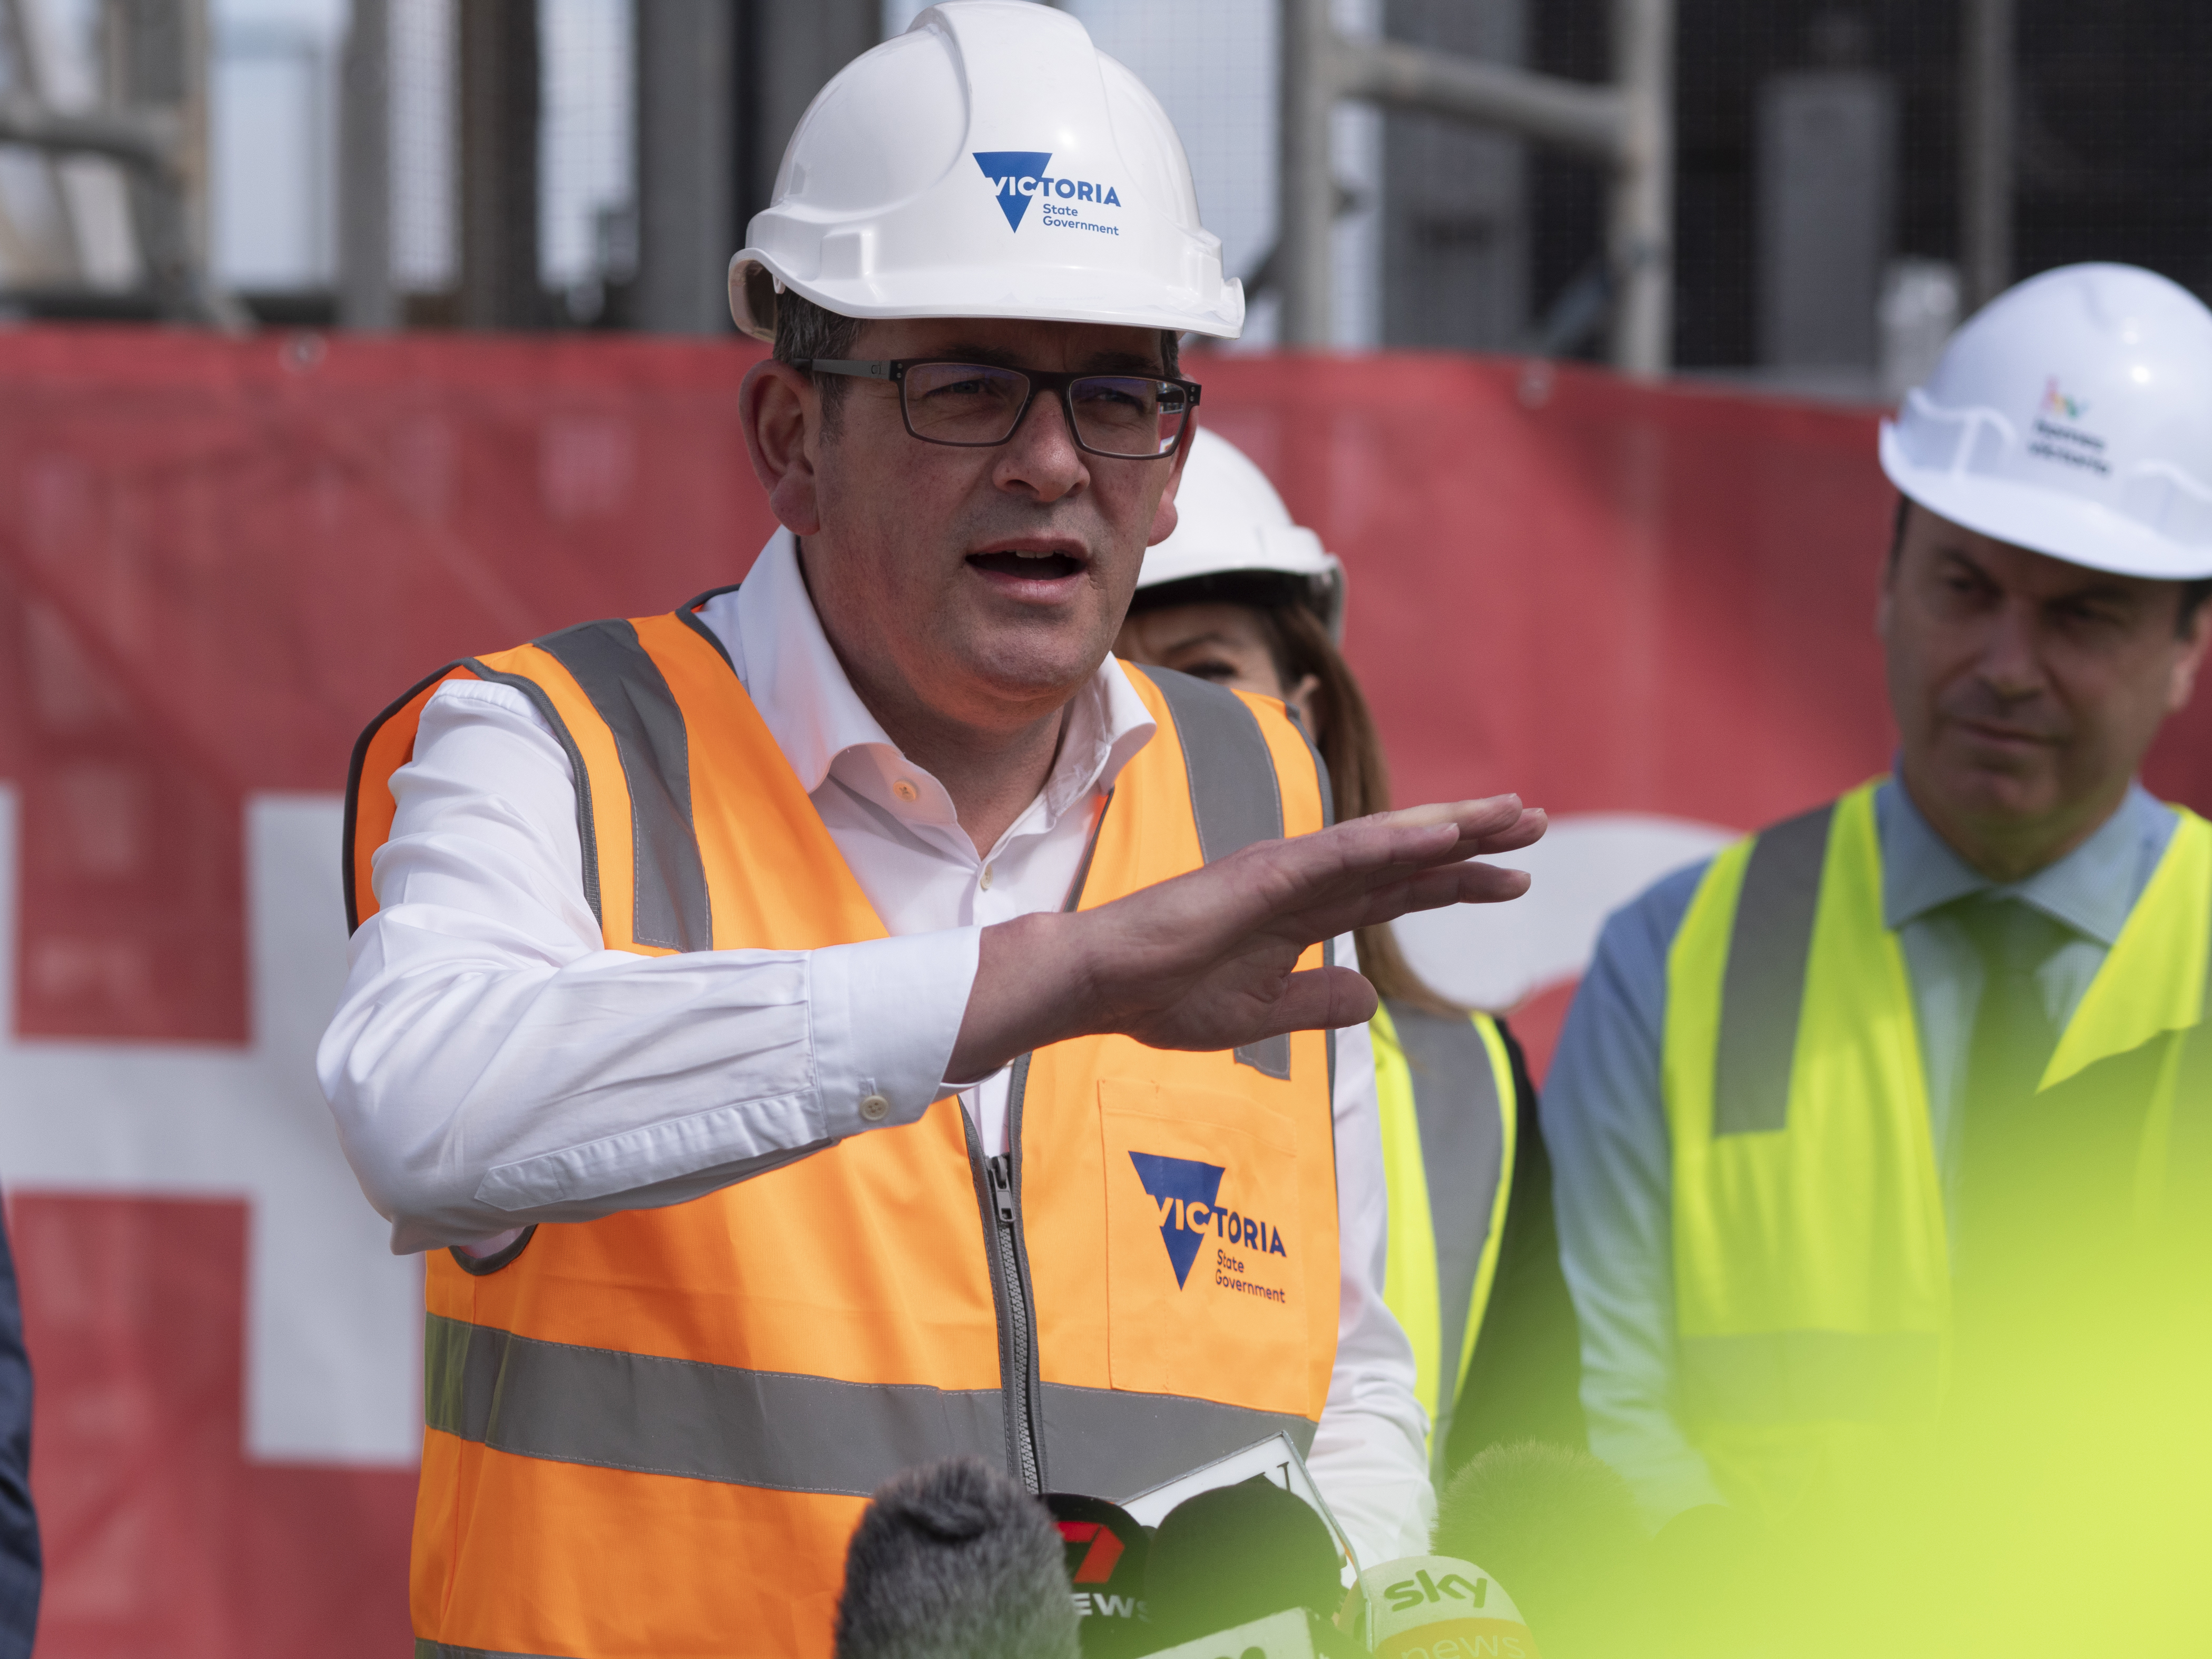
[217,559]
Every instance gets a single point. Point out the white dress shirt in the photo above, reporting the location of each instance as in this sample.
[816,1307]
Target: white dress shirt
[492,1064]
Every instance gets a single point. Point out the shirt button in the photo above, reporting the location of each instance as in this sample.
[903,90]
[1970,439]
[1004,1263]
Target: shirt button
[985,882]
[875,1108]
[906,791]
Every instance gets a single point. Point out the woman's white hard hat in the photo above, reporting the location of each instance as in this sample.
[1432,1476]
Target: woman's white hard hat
[2072,415]
[1230,521]
[988,162]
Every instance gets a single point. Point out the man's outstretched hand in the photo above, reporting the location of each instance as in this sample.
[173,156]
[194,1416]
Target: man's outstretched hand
[1209,960]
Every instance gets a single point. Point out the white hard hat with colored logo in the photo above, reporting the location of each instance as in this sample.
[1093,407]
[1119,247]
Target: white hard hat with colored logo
[2072,415]
[1230,521]
[988,162]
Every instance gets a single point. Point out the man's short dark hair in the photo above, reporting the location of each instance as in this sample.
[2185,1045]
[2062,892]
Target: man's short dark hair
[2193,593]
[804,330]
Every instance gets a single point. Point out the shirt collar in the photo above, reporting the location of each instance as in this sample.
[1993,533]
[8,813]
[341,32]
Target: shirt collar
[784,659]
[2091,890]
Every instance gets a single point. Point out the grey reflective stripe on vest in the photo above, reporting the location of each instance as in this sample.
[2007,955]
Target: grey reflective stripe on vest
[1456,1107]
[1233,795]
[1328,820]
[1109,1441]
[696,1421]
[627,688]
[1809,1376]
[425,1649]
[1762,991]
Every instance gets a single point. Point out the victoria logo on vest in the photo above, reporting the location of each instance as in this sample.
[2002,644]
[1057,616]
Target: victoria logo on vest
[1188,1194]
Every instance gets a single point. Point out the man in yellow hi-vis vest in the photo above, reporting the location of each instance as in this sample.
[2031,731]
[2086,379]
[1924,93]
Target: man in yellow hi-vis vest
[1244,596]
[846,1021]
[1861,1126]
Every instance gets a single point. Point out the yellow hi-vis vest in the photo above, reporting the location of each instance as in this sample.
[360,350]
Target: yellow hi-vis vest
[1812,1269]
[1445,1087]
[650,1435]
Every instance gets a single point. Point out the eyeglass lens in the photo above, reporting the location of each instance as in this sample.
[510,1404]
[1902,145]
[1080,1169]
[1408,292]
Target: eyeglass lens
[976,403]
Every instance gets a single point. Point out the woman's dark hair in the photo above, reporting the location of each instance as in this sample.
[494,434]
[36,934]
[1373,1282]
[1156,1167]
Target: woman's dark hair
[1358,774]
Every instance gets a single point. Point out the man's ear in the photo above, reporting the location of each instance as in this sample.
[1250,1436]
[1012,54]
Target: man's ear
[2181,684]
[1164,519]
[780,411]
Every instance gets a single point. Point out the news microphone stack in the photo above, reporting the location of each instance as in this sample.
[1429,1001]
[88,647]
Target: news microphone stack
[1562,1529]
[1245,1555]
[1235,1554]
[1104,1551]
[954,1561]
[1288,1635]
[1425,1605]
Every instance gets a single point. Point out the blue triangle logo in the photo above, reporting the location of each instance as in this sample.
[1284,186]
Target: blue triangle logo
[1168,1180]
[1005,169]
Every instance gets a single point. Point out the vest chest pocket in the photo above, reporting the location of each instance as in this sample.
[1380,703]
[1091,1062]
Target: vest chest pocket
[1206,1267]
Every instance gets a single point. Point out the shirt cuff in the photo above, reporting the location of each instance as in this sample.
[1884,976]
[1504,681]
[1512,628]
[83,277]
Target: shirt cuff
[886,1014]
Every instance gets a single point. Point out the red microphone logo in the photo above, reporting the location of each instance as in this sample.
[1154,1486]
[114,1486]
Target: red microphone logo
[1096,1566]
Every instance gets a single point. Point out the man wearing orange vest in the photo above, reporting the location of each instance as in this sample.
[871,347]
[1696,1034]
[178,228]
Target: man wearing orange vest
[851,1021]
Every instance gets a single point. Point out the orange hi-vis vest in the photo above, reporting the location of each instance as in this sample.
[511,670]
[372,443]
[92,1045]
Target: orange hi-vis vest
[652,1434]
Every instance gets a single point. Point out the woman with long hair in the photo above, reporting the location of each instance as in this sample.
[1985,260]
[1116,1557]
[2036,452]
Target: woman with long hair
[1244,596]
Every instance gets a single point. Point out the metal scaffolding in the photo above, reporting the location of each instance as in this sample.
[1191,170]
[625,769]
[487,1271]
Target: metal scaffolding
[499,111]
[1627,125]
[686,153]
[153,125]
[1985,184]
[367,297]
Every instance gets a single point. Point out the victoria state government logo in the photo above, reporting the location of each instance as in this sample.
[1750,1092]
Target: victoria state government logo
[1187,1192]
[1019,177]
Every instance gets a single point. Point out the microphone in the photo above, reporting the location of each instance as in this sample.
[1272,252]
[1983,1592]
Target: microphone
[1561,1528]
[1424,1605]
[953,1561]
[1295,1634]
[1105,1552]
[1239,1554]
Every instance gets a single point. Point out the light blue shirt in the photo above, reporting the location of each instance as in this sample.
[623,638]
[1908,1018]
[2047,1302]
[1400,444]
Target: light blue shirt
[1605,1121]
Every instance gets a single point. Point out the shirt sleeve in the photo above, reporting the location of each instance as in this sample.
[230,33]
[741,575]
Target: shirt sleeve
[1605,1126]
[492,1064]
[1369,1455]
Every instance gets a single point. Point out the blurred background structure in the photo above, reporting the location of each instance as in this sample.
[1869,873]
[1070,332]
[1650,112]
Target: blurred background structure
[1814,190]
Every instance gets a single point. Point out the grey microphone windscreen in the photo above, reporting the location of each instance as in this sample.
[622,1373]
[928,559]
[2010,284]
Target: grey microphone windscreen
[1560,1529]
[954,1561]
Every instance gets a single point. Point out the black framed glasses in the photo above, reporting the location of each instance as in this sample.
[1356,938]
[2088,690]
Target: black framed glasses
[980,405]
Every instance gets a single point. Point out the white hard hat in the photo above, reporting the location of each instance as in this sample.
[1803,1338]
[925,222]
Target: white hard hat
[1230,521]
[2072,415]
[988,162]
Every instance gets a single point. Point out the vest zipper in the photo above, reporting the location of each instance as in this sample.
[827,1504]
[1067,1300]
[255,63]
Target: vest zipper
[1000,1181]
[998,1187]
[1019,1324]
